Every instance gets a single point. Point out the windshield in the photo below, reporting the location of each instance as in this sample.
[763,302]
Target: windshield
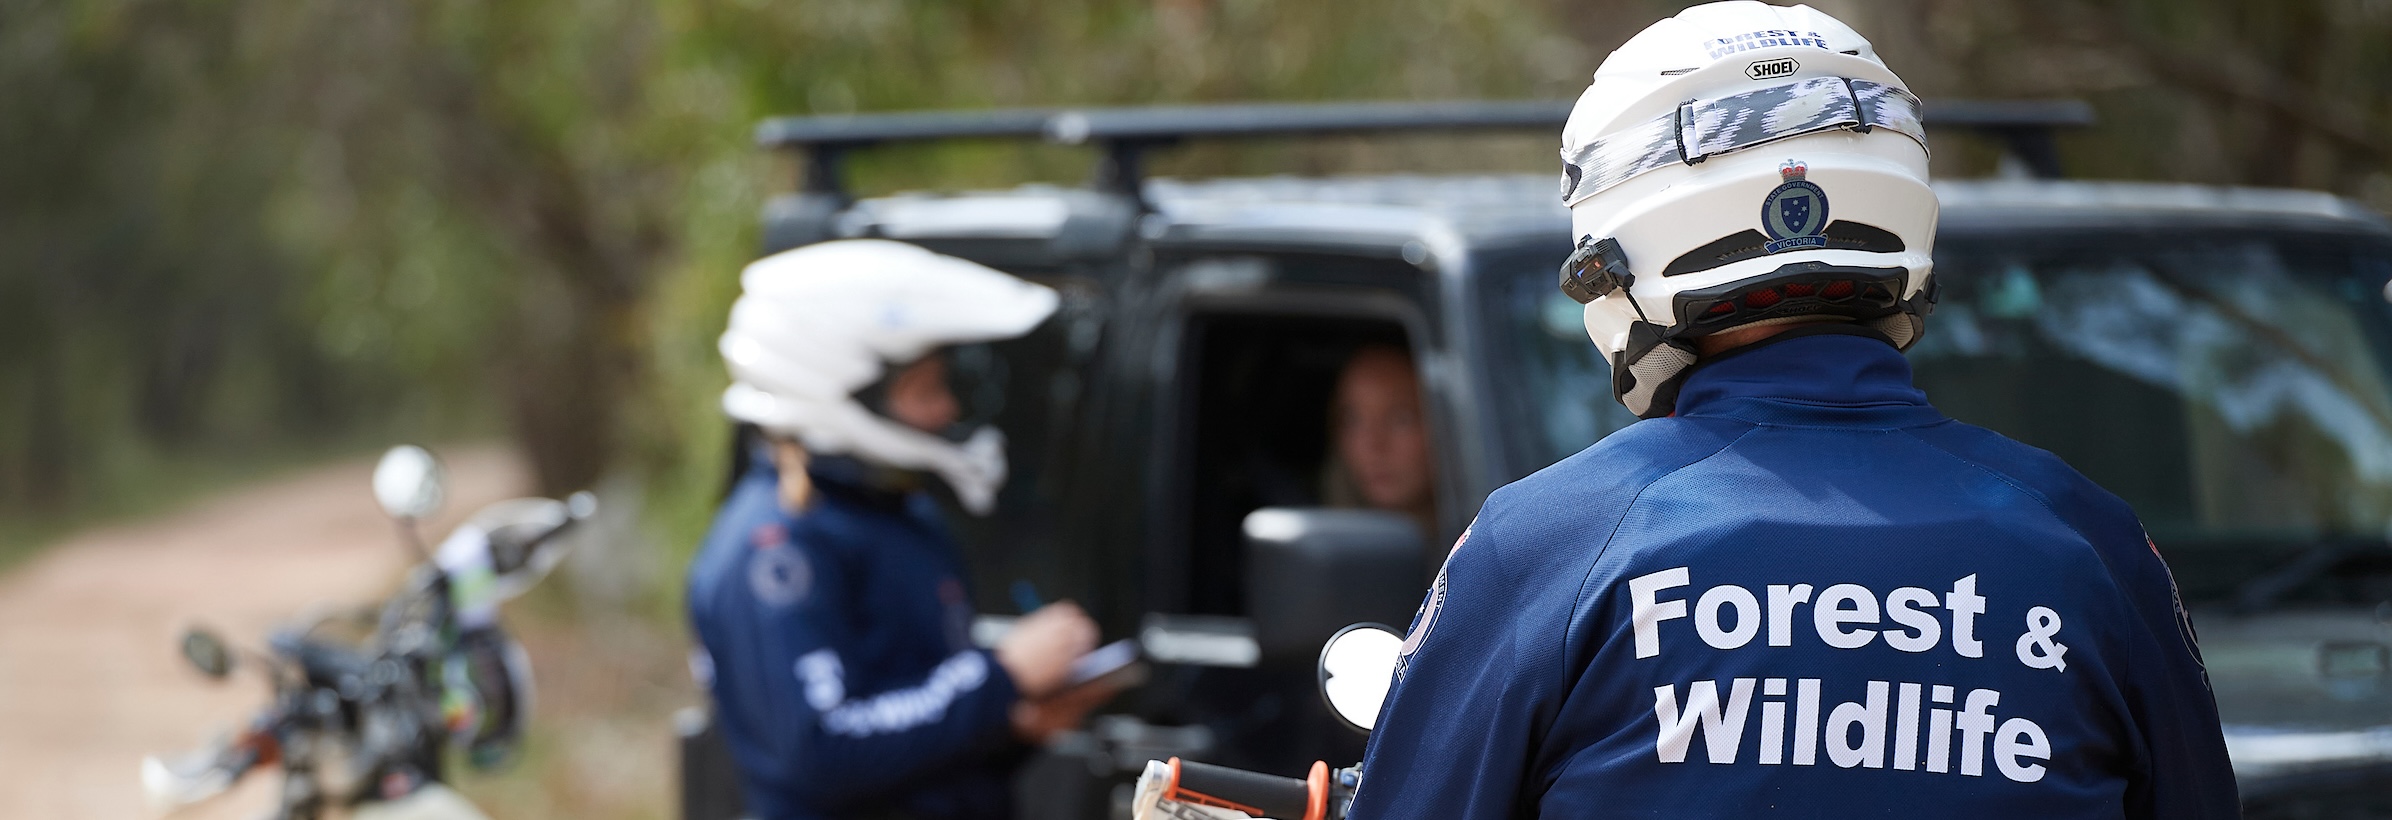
[2231,388]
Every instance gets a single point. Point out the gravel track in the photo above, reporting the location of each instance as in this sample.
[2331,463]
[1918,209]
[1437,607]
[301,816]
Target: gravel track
[89,676]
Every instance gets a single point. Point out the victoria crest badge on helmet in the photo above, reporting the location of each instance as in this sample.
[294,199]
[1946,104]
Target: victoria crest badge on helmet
[1795,213]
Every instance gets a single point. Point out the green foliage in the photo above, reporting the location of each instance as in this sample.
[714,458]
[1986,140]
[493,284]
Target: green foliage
[241,225]
[239,233]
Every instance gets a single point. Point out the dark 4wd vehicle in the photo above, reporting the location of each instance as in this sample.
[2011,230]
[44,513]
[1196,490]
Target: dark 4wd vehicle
[2221,358]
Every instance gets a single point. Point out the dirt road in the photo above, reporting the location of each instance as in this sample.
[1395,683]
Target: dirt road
[89,677]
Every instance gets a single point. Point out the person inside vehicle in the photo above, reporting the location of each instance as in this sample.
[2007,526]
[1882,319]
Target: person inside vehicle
[1381,438]
[1794,586]
[828,598]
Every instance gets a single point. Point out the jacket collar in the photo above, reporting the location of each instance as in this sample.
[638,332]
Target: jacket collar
[1823,375]
[851,480]
[843,480]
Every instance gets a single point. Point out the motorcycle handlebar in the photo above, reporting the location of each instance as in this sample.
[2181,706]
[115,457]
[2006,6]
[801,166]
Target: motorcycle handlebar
[321,663]
[1254,793]
[518,529]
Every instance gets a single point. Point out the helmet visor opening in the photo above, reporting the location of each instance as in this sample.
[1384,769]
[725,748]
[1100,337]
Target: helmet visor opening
[974,376]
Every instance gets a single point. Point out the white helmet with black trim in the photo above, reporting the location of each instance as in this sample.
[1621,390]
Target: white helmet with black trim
[1742,164]
[815,326]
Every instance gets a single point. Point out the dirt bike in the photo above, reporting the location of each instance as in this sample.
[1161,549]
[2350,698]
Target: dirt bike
[364,725]
[1357,667]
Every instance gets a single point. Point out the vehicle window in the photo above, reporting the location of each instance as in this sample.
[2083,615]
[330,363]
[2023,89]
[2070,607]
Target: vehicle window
[1553,388]
[1260,418]
[2232,390]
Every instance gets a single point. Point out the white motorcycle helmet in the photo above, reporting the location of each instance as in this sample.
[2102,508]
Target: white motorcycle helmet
[1742,164]
[815,325]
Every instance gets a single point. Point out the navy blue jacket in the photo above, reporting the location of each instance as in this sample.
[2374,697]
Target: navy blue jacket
[842,666]
[1807,593]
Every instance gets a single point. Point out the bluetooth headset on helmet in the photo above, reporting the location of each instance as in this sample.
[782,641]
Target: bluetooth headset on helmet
[1742,165]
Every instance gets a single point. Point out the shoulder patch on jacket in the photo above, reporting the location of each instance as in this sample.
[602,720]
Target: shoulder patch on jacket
[777,571]
[1425,620]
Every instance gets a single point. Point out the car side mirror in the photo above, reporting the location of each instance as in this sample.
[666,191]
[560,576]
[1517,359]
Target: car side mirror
[1311,571]
[1357,669]
[207,653]
[408,483]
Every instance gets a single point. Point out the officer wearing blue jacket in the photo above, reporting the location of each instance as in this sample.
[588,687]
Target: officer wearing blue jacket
[1795,587]
[828,597]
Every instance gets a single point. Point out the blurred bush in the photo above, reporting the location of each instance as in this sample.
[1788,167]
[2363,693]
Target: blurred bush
[234,227]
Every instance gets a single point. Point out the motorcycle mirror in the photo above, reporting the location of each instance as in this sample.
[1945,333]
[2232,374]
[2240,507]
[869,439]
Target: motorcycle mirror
[408,483]
[207,652]
[581,505]
[1357,668]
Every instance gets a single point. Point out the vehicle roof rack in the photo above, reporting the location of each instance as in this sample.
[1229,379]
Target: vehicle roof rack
[1124,135]
[2024,126]
[823,142]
